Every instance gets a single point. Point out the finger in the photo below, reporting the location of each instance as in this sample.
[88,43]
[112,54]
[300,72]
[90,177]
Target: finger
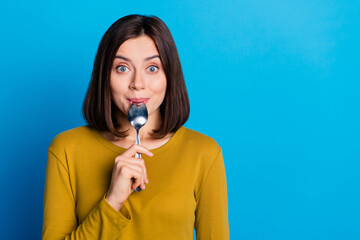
[125,160]
[133,173]
[135,165]
[138,164]
[134,176]
[121,160]
[135,148]
[141,162]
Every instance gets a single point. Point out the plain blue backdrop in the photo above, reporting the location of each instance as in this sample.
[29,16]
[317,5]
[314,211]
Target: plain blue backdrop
[275,83]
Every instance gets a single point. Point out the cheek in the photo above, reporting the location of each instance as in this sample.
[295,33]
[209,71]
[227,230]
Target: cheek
[117,87]
[159,86]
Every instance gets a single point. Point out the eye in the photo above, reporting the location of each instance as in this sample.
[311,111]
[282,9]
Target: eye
[122,68]
[153,69]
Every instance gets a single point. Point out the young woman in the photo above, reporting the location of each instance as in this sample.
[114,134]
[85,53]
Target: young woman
[92,171]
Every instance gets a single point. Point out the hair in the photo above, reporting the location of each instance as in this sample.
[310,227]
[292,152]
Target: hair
[98,108]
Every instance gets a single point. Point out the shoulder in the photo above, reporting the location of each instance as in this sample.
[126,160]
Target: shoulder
[199,138]
[203,154]
[69,138]
[200,142]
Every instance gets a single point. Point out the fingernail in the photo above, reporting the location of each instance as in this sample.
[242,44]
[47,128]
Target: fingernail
[147,180]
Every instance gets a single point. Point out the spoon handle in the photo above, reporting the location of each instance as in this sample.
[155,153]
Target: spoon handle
[137,155]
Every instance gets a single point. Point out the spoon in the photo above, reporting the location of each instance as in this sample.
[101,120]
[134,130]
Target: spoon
[137,116]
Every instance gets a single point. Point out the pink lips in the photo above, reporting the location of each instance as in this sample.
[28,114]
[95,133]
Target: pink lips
[137,101]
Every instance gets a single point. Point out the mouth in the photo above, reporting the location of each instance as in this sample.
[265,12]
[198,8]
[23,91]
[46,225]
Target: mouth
[137,101]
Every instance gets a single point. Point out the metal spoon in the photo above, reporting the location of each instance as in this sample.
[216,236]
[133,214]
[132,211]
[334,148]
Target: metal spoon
[137,116]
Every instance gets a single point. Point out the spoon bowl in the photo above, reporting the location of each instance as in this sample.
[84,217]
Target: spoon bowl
[137,115]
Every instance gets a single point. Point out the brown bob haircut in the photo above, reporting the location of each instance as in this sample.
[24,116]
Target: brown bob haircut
[98,108]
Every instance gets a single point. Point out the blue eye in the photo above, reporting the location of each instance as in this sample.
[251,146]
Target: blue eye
[122,68]
[153,69]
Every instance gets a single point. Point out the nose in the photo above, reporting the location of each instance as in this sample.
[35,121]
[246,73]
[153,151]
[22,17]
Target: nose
[138,82]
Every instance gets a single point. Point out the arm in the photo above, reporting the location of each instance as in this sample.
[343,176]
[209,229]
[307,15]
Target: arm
[211,214]
[59,219]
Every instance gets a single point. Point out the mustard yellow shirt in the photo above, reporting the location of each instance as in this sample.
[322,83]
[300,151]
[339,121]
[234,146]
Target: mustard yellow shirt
[186,190]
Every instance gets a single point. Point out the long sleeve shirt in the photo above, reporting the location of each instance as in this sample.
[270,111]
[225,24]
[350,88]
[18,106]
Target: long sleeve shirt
[186,190]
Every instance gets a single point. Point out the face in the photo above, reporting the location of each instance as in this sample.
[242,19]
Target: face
[137,75]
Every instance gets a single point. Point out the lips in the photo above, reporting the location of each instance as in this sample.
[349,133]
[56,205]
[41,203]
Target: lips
[137,101]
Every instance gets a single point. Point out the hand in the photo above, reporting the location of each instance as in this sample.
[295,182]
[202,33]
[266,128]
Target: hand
[128,173]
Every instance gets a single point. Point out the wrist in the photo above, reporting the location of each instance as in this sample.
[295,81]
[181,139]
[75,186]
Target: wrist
[114,204]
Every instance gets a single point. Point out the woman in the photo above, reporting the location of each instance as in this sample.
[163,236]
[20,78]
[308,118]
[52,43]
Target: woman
[91,170]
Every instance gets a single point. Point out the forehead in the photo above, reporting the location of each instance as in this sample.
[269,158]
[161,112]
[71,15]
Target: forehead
[142,45]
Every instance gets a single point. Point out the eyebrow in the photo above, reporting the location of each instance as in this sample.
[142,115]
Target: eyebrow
[128,60]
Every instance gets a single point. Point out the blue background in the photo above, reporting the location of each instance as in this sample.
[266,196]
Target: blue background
[276,83]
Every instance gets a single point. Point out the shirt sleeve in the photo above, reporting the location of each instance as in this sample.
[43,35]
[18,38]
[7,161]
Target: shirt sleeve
[211,214]
[59,214]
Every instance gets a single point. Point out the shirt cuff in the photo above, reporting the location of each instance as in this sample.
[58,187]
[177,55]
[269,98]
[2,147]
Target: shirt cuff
[120,218]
